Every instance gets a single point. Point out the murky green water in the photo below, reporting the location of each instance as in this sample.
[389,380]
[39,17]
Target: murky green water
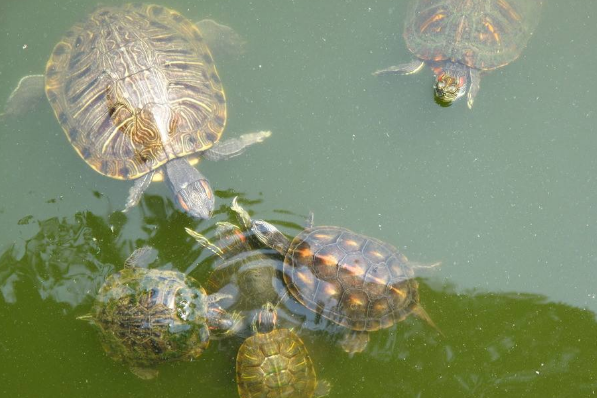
[504,195]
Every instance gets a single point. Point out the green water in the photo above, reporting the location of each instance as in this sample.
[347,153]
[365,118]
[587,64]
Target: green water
[504,195]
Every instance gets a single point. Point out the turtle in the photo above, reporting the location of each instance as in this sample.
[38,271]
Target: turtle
[275,362]
[247,274]
[137,93]
[461,39]
[149,316]
[353,280]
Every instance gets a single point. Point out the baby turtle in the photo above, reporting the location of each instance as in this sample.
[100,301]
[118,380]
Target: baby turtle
[148,316]
[461,39]
[353,280]
[136,91]
[275,362]
[245,273]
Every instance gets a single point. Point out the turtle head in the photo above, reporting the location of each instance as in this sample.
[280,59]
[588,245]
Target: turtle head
[266,319]
[451,82]
[191,189]
[270,236]
[222,323]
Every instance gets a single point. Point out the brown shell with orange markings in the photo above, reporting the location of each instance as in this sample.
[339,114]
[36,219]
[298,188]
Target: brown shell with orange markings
[481,34]
[134,87]
[356,281]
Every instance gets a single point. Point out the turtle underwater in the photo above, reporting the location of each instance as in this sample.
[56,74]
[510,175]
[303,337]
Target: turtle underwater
[246,274]
[460,39]
[275,362]
[353,280]
[150,316]
[137,93]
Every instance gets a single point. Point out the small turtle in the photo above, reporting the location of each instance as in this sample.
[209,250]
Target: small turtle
[148,316]
[248,275]
[275,362]
[136,91]
[460,39]
[356,281]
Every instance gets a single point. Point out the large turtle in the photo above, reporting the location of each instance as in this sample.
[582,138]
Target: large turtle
[246,274]
[148,316]
[356,281]
[136,90]
[275,362]
[459,39]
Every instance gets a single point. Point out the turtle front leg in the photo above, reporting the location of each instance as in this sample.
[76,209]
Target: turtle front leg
[223,150]
[474,86]
[27,94]
[413,66]
[137,190]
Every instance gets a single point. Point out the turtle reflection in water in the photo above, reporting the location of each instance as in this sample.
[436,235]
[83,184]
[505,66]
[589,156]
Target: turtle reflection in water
[356,281]
[137,93]
[247,274]
[275,362]
[148,316]
[461,39]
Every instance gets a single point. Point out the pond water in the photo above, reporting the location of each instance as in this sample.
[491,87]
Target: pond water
[503,195]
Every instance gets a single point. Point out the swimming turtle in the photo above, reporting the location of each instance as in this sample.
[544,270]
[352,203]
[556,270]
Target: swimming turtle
[136,91]
[460,39]
[148,316]
[275,362]
[247,274]
[356,281]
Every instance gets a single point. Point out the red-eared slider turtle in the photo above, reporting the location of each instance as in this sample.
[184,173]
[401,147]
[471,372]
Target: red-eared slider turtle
[135,89]
[147,316]
[275,363]
[353,280]
[248,275]
[459,39]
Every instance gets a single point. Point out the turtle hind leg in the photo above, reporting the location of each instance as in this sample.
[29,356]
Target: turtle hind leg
[29,91]
[144,373]
[354,342]
[223,150]
[322,389]
[413,66]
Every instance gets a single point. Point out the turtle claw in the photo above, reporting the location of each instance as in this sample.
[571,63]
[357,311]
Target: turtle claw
[322,389]
[354,342]
[29,91]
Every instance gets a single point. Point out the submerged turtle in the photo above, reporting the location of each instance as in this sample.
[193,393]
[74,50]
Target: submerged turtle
[248,275]
[148,316]
[136,90]
[275,362]
[460,39]
[353,280]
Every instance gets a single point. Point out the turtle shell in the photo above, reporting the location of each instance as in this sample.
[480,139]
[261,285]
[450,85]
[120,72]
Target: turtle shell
[275,364]
[134,87]
[145,317]
[354,280]
[481,34]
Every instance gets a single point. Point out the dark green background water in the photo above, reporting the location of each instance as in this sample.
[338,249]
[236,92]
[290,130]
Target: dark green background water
[504,195]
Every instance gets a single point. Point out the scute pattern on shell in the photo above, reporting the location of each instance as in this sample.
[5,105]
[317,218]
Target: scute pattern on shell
[356,281]
[482,34]
[275,364]
[133,87]
[139,314]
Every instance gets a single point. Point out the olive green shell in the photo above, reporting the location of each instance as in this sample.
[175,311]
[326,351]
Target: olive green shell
[481,34]
[356,281]
[275,364]
[134,87]
[145,317]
